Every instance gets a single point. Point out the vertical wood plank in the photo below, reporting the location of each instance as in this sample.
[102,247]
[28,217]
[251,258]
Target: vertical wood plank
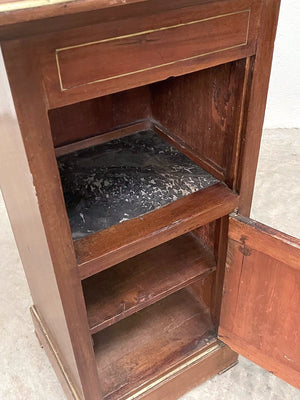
[256,103]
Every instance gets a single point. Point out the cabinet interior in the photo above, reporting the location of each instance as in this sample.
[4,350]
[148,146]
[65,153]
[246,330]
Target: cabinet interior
[149,175]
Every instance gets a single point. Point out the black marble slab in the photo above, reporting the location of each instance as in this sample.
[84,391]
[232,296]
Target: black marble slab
[125,178]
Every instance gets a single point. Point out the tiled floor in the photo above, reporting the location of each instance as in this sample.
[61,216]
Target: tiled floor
[25,373]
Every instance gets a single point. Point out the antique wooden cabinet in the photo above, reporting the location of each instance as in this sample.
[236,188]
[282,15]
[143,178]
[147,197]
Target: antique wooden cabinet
[130,133]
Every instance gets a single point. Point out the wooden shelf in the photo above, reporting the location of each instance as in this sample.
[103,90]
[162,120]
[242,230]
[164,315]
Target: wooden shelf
[133,193]
[143,280]
[100,251]
[125,178]
[142,348]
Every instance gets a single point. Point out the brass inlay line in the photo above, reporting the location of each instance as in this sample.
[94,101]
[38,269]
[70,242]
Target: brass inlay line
[59,73]
[164,28]
[147,69]
[175,371]
[22,5]
[155,66]
[56,355]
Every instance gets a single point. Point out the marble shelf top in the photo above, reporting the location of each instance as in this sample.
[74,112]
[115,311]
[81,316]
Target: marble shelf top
[125,178]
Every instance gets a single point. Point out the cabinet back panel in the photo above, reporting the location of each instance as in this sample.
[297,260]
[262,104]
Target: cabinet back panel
[83,120]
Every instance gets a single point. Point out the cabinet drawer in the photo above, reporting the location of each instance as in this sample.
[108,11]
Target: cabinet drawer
[146,46]
[122,56]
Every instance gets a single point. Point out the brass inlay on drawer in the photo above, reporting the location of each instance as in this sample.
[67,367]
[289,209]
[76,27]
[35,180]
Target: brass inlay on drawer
[61,50]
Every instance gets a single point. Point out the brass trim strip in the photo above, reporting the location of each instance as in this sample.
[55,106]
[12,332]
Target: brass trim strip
[58,360]
[146,32]
[174,372]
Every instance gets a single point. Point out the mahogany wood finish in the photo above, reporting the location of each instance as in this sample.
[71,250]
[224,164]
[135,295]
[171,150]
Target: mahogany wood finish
[106,248]
[25,216]
[48,263]
[202,289]
[210,361]
[207,122]
[260,307]
[97,116]
[80,72]
[14,11]
[93,62]
[37,19]
[51,46]
[256,98]
[208,115]
[141,348]
[140,281]
[44,337]
[221,240]
[103,138]
[206,233]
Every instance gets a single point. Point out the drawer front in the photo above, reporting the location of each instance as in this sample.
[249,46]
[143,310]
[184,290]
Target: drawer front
[122,56]
[152,43]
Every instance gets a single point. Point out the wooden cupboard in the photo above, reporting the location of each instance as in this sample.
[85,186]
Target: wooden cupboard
[130,134]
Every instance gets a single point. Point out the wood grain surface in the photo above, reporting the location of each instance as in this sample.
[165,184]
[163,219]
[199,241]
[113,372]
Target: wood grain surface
[44,237]
[122,56]
[127,239]
[206,123]
[75,61]
[151,342]
[140,281]
[81,68]
[94,117]
[255,103]
[260,308]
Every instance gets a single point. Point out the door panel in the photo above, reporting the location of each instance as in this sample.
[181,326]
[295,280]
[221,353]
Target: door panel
[260,316]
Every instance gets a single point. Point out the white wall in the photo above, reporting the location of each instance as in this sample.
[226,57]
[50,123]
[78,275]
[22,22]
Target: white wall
[283,107]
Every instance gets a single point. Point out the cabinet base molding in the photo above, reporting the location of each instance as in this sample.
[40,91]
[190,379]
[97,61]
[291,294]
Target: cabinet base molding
[45,341]
[211,361]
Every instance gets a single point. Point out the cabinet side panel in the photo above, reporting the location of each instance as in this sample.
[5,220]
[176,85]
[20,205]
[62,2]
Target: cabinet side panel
[202,111]
[22,206]
[256,103]
[22,62]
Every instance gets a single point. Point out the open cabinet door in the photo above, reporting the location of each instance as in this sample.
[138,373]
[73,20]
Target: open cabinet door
[260,315]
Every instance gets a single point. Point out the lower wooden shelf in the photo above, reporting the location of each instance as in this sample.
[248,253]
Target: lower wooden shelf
[140,281]
[142,348]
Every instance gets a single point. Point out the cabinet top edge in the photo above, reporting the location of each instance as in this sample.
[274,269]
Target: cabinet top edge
[23,18]
[37,9]
[22,11]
